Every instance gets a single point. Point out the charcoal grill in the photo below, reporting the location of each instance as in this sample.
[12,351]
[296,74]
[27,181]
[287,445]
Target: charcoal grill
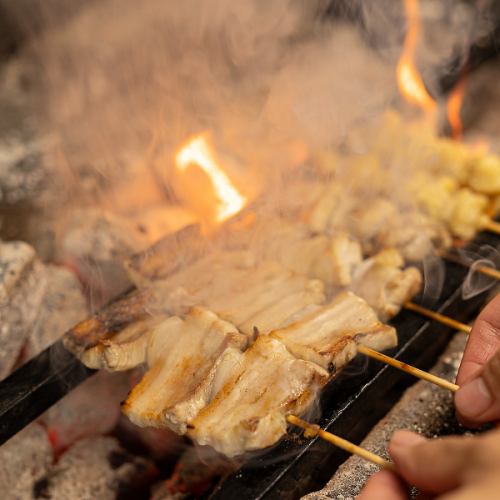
[350,405]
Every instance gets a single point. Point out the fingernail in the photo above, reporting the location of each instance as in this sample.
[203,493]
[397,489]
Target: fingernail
[473,398]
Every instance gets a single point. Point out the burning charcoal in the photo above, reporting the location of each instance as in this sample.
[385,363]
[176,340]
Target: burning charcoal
[91,409]
[22,286]
[24,460]
[97,468]
[192,476]
[96,243]
[62,307]
[158,443]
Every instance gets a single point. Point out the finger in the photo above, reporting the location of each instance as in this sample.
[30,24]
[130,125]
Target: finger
[433,466]
[483,342]
[384,485]
[478,400]
[484,491]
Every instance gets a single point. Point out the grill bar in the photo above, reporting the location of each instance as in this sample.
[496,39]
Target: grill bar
[36,386]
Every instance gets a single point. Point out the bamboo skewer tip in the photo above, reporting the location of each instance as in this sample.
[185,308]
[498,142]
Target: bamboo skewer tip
[412,370]
[441,318]
[312,430]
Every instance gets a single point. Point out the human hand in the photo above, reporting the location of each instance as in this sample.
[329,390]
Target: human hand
[453,468]
[478,399]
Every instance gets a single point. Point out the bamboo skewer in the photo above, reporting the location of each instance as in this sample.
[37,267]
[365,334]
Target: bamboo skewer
[312,430]
[487,271]
[445,320]
[400,365]
[490,225]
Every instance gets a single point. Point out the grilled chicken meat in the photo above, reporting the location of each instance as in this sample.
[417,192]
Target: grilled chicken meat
[249,411]
[384,284]
[124,350]
[109,321]
[182,356]
[328,336]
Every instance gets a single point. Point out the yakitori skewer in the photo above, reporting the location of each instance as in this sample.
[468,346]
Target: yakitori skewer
[312,430]
[441,318]
[400,365]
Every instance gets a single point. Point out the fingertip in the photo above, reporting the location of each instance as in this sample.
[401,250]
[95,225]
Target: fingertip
[404,439]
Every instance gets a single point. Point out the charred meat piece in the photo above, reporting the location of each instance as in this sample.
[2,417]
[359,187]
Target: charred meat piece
[124,350]
[249,411]
[329,335]
[107,322]
[166,256]
[182,356]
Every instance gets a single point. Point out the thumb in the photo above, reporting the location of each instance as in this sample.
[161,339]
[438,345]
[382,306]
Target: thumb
[478,400]
[433,466]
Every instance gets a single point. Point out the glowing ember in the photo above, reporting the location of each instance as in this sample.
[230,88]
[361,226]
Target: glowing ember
[410,83]
[453,107]
[198,152]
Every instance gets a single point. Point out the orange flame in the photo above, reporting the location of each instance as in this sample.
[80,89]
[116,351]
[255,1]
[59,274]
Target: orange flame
[198,152]
[453,107]
[409,81]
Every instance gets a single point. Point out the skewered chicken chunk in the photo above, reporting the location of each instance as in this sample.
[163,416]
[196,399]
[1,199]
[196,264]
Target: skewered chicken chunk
[384,284]
[329,335]
[109,321]
[484,175]
[182,356]
[249,412]
[336,265]
[461,209]
[123,351]
[415,235]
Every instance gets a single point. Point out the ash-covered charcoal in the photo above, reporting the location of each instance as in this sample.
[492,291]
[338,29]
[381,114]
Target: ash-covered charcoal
[24,460]
[97,468]
[424,408]
[63,305]
[22,287]
[22,175]
[91,409]
[193,475]
[96,243]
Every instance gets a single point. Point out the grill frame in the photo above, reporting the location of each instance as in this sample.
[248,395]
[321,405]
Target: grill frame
[350,405]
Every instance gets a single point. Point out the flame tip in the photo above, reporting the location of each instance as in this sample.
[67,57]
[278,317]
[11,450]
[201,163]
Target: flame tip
[197,151]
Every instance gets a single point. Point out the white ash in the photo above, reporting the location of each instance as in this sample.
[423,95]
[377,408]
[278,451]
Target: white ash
[96,468]
[96,243]
[423,408]
[63,306]
[22,288]
[24,459]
